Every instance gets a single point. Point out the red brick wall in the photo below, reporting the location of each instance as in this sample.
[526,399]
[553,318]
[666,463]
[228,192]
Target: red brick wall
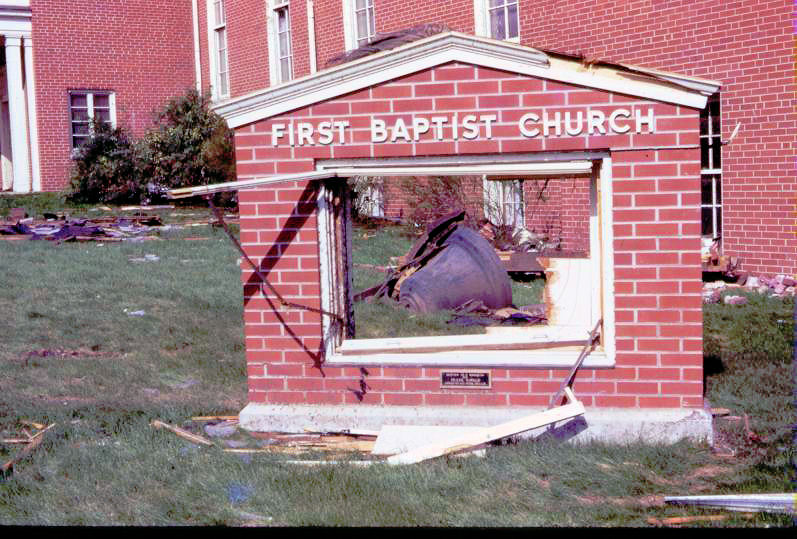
[142,50]
[246,28]
[657,227]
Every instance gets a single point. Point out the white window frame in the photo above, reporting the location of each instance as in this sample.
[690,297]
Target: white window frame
[352,33]
[275,55]
[214,28]
[709,141]
[481,19]
[475,350]
[90,108]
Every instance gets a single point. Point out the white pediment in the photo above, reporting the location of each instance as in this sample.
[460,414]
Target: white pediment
[450,47]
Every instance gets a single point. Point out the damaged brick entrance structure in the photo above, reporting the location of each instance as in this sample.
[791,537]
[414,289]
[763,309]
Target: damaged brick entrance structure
[456,104]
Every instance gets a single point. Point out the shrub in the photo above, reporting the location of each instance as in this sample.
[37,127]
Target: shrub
[190,145]
[106,168]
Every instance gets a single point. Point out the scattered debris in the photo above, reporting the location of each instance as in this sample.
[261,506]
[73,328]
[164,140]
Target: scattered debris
[135,313]
[779,286]
[221,430]
[720,412]
[770,503]
[33,441]
[215,418]
[395,439]
[182,433]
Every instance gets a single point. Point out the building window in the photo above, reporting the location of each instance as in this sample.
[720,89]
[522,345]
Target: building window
[497,19]
[221,76]
[503,202]
[86,107]
[279,41]
[711,169]
[359,22]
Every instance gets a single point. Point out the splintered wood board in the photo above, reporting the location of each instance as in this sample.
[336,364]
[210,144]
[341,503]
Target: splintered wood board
[489,434]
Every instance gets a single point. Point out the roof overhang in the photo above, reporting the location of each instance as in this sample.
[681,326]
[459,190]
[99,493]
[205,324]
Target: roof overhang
[456,47]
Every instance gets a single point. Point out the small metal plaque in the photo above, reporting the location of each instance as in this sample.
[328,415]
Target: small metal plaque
[471,379]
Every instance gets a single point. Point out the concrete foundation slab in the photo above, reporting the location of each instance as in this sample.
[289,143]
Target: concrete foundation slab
[613,425]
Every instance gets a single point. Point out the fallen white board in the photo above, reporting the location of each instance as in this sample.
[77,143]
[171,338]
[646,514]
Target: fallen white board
[489,434]
[394,439]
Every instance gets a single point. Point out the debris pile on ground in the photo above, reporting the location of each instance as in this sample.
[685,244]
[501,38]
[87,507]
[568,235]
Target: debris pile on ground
[139,226]
[447,267]
[60,228]
[778,286]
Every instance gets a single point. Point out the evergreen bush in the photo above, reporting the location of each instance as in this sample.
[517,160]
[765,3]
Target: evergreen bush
[106,168]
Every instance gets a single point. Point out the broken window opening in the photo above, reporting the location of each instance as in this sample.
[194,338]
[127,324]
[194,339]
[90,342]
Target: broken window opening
[572,278]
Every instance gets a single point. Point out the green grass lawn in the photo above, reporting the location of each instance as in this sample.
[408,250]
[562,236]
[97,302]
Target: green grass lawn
[72,355]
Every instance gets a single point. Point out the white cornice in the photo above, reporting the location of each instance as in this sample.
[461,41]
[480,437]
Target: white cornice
[456,47]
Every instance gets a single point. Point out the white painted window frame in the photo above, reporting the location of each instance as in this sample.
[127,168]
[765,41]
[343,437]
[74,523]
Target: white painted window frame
[601,302]
[90,109]
[481,20]
[352,34]
[214,26]
[714,170]
[272,35]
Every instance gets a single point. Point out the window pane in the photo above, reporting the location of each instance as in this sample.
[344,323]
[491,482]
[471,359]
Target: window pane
[223,83]
[282,20]
[705,190]
[221,39]
[360,4]
[102,115]
[512,20]
[496,3]
[704,152]
[101,100]
[222,62]
[719,222]
[371,23]
[80,128]
[285,69]
[78,100]
[714,110]
[219,9]
[497,24]
[715,152]
[80,115]
[362,25]
[718,188]
[707,223]
[78,141]
[283,49]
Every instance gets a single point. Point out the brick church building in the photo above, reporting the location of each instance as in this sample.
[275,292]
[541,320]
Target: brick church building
[121,60]
[658,123]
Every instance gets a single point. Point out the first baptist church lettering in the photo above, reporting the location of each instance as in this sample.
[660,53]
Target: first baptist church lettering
[468,127]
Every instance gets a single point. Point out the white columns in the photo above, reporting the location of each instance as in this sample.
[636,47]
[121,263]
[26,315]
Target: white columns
[17,116]
[33,128]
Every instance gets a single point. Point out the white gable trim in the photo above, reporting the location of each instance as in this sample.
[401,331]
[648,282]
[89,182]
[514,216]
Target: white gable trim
[441,49]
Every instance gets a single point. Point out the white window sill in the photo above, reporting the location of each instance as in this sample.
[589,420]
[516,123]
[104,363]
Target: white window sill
[537,359]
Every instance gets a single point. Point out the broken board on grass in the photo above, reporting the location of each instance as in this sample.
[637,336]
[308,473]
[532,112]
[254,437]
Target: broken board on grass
[489,434]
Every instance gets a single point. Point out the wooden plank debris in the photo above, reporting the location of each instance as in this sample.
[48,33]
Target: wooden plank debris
[490,434]
[35,441]
[215,418]
[182,433]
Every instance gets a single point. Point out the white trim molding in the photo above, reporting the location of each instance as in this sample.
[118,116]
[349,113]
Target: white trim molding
[456,47]
[553,346]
